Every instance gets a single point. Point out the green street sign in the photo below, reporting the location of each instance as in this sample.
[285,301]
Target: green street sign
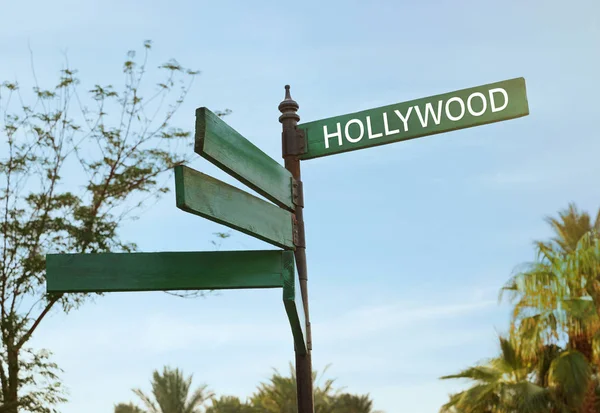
[227,149]
[164,271]
[294,305]
[462,109]
[217,201]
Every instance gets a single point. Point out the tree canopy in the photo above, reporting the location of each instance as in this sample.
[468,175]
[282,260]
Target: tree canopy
[74,164]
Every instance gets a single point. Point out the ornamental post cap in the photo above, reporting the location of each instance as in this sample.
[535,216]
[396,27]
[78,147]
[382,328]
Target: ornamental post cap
[288,105]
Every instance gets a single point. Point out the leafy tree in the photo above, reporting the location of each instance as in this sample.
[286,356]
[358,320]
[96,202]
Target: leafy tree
[557,381]
[170,394]
[71,170]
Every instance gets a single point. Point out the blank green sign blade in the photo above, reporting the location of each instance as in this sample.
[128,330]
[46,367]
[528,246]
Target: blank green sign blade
[292,300]
[465,108]
[162,271]
[236,155]
[217,201]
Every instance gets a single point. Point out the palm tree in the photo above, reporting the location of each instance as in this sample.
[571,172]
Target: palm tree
[556,382]
[127,408]
[278,395]
[230,404]
[570,226]
[170,394]
[558,296]
[352,403]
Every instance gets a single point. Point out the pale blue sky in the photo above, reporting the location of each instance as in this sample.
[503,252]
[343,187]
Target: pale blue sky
[408,244]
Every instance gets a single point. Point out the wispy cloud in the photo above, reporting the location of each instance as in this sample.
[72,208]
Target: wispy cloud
[366,321]
[164,331]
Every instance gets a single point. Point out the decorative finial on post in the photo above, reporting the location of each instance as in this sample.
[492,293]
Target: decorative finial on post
[292,140]
[287,92]
[288,107]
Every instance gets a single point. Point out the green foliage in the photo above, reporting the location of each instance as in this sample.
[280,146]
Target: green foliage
[127,408]
[221,236]
[556,302]
[555,381]
[71,171]
[558,296]
[570,375]
[570,226]
[230,404]
[39,382]
[352,403]
[170,394]
[277,395]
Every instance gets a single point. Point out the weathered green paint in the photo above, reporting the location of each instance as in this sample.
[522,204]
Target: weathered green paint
[217,201]
[292,300]
[416,118]
[169,271]
[226,148]
[161,271]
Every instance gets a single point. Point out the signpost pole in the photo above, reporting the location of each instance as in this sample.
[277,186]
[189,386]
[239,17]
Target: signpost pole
[292,147]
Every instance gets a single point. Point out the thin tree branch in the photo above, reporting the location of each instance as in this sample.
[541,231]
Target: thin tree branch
[37,322]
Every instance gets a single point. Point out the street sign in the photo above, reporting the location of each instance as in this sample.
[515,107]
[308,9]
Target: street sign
[217,201]
[280,223]
[294,305]
[461,109]
[163,271]
[227,149]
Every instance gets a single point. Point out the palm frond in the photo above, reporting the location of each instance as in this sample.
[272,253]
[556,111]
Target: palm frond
[152,408]
[482,374]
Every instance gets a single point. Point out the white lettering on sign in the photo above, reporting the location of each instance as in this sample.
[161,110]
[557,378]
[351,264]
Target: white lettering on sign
[386,127]
[462,109]
[493,102]
[429,109]
[370,130]
[362,130]
[480,96]
[332,135]
[428,114]
[404,119]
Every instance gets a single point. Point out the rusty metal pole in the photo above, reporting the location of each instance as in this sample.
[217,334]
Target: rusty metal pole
[292,146]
